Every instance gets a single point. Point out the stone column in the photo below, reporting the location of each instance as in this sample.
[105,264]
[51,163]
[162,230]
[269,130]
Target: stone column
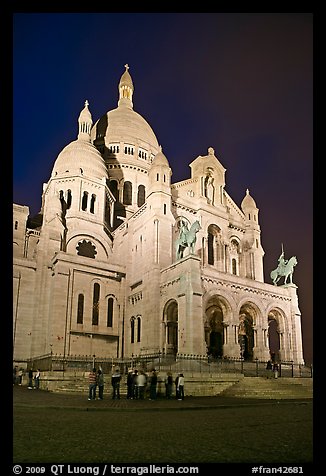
[231,347]
[296,326]
[260,351]
[191,337]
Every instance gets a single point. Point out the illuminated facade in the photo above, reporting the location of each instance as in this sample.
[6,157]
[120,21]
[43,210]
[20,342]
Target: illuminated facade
[98,270]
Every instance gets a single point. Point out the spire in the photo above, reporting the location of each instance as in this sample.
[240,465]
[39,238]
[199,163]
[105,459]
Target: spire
[85,123]
[126,89]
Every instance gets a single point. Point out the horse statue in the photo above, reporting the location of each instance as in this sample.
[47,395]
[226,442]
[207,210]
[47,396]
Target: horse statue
[187,238]
[285,270]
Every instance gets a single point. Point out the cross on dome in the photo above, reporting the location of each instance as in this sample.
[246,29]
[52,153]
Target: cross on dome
[86,103]
[127,66]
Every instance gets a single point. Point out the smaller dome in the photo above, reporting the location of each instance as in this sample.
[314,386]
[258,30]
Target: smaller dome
[248,203]
[160,159]
[80,158]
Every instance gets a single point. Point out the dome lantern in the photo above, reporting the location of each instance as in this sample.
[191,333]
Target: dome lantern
[85,123]
[126,89]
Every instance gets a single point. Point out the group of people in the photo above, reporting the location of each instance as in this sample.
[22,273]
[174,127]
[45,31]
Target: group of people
[138,384]
[33,380]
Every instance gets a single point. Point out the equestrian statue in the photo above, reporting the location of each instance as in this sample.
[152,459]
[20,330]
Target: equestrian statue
[285,268]
[187,238]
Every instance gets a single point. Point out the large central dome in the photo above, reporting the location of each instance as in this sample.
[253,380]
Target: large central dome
[123,126]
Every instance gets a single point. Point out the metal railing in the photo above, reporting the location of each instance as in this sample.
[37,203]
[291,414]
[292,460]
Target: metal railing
[192,364]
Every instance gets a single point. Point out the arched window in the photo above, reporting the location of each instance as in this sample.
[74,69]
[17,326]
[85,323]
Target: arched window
[234,266]
[127,193]
[141,195]
[92,203]
[132,329]
[109,321]
[96,299]
[171,327]
[113,186]
[80,309]
[69,199]
[84,201]
[210,245]
[138,328]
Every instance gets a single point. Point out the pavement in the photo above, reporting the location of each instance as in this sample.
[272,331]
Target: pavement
[207,429]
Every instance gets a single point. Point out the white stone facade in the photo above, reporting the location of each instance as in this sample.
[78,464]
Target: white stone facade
[98,274]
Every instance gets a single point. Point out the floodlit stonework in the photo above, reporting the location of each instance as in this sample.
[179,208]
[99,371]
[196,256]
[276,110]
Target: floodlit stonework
[102,269]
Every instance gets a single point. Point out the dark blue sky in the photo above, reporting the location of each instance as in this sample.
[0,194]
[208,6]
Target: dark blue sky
[241,83]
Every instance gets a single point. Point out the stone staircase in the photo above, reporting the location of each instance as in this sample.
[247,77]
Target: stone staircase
[197,384]
[281,388]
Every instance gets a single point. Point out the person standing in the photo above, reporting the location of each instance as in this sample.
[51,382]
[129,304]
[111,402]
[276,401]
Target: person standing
[269,369]
[153,385]
[168,385]
[181,385]
[100,384]
[20,376]
[115,381]
[92,384]
[129,385]
[141,384]
[14,374]
[30,379]
[275,369]
[176,383]
[134,385]
[37,379]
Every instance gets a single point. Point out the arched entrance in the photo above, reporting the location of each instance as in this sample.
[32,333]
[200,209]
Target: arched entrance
[171,328]
[274,336]
[245,331]
[214,328]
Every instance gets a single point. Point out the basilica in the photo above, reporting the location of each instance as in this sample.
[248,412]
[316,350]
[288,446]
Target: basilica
[120,261]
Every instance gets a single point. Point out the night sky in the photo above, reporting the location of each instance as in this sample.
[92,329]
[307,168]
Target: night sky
[241,83]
